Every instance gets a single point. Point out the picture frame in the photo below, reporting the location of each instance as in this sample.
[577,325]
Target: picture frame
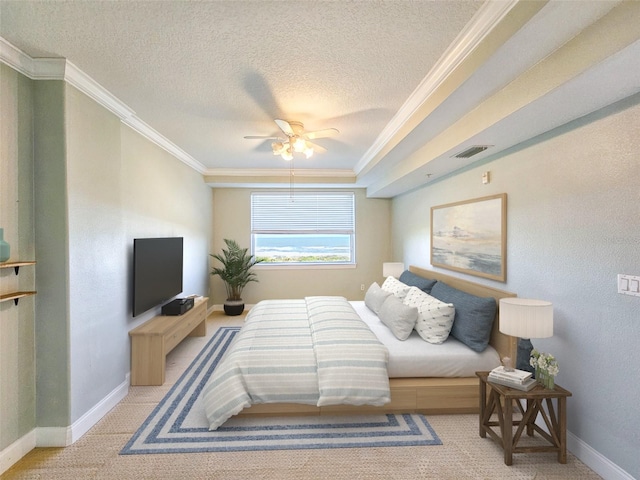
[470,237]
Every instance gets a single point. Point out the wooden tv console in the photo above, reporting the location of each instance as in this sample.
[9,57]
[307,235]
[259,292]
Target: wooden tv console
[151,341]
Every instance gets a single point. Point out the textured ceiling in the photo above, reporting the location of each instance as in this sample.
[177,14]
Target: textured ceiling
[408,83]
[205,74]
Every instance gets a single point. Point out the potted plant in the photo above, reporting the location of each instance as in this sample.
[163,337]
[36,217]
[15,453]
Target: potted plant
[235,273]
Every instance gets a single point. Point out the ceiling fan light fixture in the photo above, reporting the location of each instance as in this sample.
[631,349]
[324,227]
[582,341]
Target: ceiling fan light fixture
[308,152]
[277,148]
[299,144]
[297,140]
[287,154]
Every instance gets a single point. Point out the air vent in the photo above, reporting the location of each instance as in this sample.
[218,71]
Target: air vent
[471,151]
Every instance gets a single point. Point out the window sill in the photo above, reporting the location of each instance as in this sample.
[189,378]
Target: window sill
[312,266]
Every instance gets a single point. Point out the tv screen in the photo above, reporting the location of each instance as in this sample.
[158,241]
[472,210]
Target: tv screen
[157,271]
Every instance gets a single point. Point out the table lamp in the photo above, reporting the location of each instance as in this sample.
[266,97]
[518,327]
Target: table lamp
[392,269]
[525,318]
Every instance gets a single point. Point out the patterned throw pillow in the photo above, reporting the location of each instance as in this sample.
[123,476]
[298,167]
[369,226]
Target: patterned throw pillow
[395,286]
[435,318]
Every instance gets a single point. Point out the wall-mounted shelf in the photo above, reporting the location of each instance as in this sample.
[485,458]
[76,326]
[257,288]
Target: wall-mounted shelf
[15,296]
[15,265]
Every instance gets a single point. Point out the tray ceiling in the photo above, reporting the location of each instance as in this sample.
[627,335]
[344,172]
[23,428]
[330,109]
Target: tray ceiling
[407,83]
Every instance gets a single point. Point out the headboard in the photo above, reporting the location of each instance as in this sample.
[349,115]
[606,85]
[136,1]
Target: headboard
[504,344]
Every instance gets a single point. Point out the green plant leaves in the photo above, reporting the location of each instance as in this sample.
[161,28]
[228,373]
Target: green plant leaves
[236,268]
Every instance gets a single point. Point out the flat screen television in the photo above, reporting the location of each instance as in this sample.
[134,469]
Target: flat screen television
[157,271]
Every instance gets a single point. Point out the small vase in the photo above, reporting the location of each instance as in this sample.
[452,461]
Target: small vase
[550,382]
[4,247]
[545,379]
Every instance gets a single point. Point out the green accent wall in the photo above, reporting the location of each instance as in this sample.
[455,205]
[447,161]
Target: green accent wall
[17,323]
[78,186]
[52,301]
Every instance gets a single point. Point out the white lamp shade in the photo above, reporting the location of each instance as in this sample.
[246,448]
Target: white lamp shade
[526,318]
[392,269]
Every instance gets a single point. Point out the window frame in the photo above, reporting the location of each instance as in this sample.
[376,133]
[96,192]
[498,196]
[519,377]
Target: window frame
[351,230]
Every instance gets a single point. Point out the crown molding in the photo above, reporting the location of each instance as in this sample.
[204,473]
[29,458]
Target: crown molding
[146,131]
[278,172]
[280,178]
[87,85]
[41,69]
[483,22]
[63,69]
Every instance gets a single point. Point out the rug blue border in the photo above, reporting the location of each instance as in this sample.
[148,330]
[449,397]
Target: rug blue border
[208,358]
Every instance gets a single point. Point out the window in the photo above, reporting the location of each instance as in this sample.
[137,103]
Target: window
[307,229]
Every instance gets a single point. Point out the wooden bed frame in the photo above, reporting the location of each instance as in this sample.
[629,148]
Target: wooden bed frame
[434,395]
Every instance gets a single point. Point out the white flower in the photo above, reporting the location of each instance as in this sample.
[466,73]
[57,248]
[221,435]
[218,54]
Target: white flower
[544,362]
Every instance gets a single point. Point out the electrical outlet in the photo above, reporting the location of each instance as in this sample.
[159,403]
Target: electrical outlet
[362,287]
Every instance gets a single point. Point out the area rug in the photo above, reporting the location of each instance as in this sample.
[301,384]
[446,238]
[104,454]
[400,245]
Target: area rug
[179,425]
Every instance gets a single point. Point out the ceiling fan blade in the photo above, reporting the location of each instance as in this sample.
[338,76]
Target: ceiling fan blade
[262,137]
[285,127]
[317,148]
[328,132]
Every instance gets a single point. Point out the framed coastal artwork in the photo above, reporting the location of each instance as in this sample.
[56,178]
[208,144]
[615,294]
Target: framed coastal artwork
[471,236]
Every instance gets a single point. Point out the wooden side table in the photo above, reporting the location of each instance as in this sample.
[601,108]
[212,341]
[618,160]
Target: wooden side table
[501,401]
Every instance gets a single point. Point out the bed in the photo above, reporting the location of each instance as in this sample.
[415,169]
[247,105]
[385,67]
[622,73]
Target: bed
[412,386]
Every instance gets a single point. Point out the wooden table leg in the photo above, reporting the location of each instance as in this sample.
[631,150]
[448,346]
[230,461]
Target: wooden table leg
[530,424]
[562,434]
[483,406]
[507,432]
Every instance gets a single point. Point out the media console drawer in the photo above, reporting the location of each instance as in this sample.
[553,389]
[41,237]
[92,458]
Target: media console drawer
[151,341]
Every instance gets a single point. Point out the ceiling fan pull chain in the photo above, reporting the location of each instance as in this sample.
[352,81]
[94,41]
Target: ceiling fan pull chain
[291,180]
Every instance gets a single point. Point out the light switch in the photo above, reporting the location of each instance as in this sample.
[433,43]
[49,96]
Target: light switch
[629,285]
[623,283]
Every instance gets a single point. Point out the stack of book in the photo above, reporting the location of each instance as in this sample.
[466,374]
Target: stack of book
[518,379]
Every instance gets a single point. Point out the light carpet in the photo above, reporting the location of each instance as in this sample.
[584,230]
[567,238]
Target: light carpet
[179,425]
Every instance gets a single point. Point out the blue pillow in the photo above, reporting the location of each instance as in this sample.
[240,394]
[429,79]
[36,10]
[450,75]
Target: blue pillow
[413,280]
[474,315]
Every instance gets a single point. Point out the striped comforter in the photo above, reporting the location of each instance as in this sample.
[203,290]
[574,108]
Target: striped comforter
[315,351]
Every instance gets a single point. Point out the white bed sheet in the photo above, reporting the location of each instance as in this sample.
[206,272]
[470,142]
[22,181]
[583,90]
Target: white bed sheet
[414,357]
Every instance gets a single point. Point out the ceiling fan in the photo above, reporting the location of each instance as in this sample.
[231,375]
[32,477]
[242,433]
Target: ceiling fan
[296,139]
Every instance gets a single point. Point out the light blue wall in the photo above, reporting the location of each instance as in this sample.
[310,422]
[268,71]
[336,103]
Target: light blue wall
[573,224]
[120,186]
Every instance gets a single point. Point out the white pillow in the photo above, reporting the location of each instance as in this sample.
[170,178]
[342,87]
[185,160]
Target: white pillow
[375,297]
[400,318]
[435,318]
[395,286]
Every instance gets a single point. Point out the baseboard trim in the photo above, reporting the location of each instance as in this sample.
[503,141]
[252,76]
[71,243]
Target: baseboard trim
[62,436]
[591,457]
[18,449]
[595,460]
[93,416]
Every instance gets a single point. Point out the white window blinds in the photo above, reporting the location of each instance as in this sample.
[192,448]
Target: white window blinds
[306,212]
